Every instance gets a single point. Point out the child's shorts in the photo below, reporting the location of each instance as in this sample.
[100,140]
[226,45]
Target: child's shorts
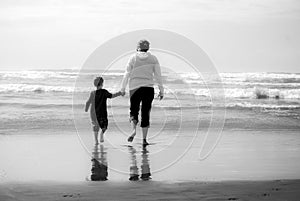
[99,123]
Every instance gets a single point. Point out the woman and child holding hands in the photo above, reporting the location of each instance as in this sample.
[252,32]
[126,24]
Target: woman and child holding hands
[141,71]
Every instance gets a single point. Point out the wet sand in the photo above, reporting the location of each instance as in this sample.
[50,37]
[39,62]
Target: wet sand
[240,155]
[246,165]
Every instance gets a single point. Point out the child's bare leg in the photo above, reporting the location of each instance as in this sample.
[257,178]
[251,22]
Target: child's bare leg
[96,137]
[101,134]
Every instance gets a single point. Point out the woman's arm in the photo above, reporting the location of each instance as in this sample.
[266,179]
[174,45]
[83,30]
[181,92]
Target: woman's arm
[158,78]
[126,76]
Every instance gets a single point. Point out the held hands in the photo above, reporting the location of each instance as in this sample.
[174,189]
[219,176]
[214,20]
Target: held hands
[122,91]
[160,95]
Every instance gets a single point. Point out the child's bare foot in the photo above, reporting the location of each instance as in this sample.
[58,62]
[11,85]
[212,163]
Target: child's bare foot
[101,138]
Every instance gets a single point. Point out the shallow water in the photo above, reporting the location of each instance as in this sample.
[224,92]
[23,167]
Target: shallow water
[45,99]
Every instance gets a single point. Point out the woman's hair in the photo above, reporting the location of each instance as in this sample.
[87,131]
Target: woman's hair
[98,81]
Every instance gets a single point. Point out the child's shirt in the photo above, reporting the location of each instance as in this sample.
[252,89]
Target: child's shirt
[97,100]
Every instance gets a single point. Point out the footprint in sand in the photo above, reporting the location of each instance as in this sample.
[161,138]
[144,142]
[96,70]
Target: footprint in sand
[266,194]
[71,195]
[232,198]
[275,189]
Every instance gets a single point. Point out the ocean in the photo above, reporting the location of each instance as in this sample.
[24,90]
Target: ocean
[43,99]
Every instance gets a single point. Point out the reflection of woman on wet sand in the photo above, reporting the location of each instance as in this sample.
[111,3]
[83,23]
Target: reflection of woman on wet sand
[99,164]
[141,71]
[145,167]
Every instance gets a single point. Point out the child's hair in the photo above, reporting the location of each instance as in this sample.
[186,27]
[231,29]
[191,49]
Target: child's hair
[98,81]
[143,45]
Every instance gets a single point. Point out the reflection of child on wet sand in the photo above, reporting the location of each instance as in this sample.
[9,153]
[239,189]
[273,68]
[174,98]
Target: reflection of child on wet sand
[99,164]
[98,110]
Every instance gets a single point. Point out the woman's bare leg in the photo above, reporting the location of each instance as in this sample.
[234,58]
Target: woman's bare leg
[133,125]
[145,133]
[133,133]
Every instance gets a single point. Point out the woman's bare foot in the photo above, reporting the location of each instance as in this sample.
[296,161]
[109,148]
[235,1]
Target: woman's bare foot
[130,138]
[145,143]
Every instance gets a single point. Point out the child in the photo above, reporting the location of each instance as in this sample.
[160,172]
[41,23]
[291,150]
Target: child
[98,111]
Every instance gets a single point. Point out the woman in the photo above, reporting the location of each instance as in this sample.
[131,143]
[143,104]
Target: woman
[141,71]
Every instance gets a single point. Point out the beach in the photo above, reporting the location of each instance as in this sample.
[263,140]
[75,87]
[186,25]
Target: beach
[47,147]
[235,190]
[56,167]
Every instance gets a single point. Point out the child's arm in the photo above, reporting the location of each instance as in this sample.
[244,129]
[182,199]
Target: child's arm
[116,94]
[88,103]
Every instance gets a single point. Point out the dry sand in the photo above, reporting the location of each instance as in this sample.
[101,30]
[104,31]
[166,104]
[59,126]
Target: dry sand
[151,190]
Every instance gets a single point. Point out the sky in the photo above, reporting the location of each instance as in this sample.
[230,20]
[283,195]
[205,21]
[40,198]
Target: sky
[238,35]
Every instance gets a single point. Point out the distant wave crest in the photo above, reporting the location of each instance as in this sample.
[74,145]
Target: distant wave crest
[5,88]
[251,93]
